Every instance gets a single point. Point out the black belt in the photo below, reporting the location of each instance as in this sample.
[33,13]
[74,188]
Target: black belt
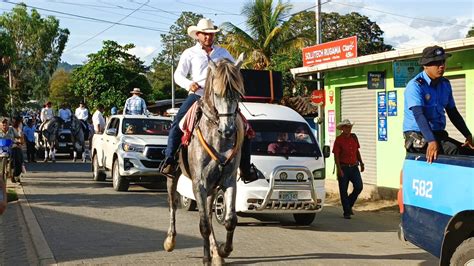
[348,165]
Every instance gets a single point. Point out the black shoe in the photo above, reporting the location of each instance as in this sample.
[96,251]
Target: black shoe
[251,175]
[347,216]
[168,166]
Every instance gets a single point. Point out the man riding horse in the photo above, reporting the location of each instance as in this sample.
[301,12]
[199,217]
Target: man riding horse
[194,61]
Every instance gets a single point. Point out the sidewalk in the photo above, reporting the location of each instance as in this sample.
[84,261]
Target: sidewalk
[21,239]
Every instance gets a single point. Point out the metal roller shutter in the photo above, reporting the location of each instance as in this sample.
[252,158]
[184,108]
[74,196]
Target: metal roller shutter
[359,106]
[459,92]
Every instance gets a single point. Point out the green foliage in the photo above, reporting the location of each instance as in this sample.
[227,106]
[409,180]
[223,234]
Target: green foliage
[39,43]
[174,43]
[470,33]
[268,33]
[109,76]
[60,89]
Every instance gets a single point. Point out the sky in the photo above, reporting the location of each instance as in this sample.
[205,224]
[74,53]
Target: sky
[406,24]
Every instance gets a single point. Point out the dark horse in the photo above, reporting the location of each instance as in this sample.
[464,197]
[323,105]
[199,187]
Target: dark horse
[78,138]
[213,157]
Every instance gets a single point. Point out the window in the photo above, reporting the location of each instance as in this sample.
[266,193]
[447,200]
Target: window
[139,126]
[284,138]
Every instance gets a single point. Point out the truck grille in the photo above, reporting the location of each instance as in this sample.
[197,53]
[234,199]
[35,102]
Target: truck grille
[155,152]
[150,164]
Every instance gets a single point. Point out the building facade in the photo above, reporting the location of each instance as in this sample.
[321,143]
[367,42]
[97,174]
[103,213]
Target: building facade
[378,112]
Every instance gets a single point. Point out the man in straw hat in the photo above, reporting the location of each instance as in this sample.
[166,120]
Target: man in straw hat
[427,96]
[135,105]
[194,62]
[348,159]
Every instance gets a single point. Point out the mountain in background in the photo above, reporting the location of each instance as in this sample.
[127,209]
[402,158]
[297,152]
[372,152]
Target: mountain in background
[67,67]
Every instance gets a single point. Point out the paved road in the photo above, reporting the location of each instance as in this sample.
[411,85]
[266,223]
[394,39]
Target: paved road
[87,222]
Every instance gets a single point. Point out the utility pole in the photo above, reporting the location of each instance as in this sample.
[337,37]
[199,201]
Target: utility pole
[172,76]
[320,119]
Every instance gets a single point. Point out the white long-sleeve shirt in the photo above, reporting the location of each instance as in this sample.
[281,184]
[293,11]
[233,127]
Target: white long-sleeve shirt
[81,113]
[98,121]
[194,61]
[46,114]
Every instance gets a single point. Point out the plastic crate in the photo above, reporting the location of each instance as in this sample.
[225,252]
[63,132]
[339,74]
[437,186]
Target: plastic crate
[5,146]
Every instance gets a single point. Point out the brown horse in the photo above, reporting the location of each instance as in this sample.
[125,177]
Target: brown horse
[213,157]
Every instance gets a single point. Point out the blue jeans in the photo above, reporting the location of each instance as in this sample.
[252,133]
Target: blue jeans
[174,137]
[352,174]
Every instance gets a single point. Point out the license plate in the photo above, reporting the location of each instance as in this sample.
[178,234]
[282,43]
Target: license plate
[288,195]
[62,144]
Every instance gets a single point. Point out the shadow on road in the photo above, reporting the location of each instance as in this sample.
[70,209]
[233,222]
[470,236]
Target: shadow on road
[59,166]
[363,258]
[76,237]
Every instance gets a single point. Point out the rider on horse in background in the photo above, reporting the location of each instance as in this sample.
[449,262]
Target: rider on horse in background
[45,115]
[65,114]
[82,114]
[194,63]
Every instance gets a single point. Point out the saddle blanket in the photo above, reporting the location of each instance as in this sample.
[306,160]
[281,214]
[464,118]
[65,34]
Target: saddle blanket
[188,123]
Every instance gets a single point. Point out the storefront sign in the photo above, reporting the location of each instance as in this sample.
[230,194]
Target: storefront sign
[376,80]
[392,103]
[404,71]
[330,51]
[382,116]
[317,97]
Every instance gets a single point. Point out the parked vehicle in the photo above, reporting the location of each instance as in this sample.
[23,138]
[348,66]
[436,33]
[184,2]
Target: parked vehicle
[437,206]
[132,149]
[291,178]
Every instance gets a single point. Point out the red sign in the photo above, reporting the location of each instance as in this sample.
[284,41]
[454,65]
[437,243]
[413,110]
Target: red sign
[330,51]
[317,97]
[331,96]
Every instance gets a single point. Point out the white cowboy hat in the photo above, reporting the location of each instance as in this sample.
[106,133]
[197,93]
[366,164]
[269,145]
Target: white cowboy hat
[136,90]
[345,122]
[204,25]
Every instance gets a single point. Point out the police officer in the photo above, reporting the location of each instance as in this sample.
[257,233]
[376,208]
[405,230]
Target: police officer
[427,97]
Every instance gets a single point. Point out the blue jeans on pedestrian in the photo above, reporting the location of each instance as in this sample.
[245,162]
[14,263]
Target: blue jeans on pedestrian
[174,137]
[351,174]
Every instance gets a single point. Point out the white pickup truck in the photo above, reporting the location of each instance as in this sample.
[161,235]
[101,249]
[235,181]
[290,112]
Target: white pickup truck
[131,148]
[291,166]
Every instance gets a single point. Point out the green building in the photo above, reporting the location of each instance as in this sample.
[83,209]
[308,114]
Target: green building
[378,111]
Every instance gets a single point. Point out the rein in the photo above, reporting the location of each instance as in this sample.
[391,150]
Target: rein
[211,151]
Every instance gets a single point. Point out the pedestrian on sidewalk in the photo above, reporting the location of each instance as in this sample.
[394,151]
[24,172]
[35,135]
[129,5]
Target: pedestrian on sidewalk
[348,159]
[29,135]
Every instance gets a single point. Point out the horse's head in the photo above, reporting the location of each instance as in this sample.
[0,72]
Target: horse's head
[224,89]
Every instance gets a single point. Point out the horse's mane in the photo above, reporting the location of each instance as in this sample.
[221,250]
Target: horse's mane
[225,76]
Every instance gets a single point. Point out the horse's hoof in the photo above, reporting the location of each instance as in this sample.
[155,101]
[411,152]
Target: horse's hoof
[169,244]
[223,252]
[54,161]
[218,261]
[45,160]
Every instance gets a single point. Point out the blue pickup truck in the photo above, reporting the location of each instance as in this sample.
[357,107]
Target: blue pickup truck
[437,206]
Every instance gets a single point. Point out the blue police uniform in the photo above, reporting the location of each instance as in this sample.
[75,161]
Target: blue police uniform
[434,98]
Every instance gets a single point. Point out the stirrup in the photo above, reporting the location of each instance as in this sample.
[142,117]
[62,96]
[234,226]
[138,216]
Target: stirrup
[253,175]
[168,169]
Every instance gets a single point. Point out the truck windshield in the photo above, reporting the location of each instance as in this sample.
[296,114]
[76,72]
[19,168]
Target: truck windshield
[283,138]
[140,126]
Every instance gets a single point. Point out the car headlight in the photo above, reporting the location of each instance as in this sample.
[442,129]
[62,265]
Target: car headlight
[319,174]
[133,147]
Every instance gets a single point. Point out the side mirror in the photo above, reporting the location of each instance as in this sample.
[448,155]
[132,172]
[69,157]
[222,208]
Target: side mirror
[111,131]
[326,151]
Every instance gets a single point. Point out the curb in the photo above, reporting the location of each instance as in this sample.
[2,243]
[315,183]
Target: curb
[45,256]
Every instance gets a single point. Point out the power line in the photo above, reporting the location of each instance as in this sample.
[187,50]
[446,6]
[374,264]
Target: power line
[99,33]
[90,18]
[403,16]
[206,7]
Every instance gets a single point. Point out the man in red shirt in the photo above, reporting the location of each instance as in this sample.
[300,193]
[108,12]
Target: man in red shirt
[348,159]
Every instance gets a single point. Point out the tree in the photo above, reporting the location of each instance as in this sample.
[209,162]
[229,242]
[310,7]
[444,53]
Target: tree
[39,43]
[60,88]
[6,53]
[470,33]
[268,33]
[174,43]
[109,75]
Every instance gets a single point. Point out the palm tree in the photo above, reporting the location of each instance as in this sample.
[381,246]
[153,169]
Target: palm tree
[269,33]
